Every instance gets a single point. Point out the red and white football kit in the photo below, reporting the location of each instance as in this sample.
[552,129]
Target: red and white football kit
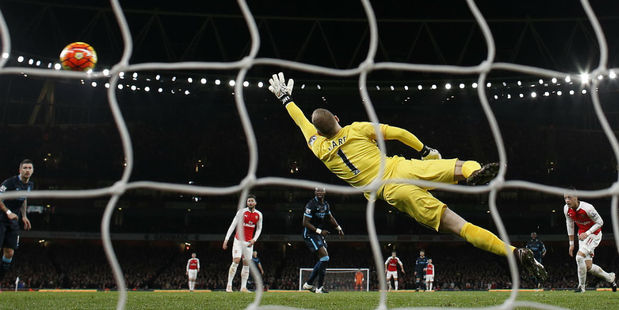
[589,222]
[392,267]
[252,227]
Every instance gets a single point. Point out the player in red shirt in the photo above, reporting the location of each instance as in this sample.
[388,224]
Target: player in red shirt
[429,275]
[589,225]
[243,246]
[193,267]
[391,268]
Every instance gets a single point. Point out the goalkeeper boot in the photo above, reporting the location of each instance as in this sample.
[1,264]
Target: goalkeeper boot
[613,283]
[484,175]
[525,259]
[321,290]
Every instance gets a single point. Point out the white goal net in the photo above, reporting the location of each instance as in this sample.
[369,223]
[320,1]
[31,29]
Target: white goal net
[340,279]
[363,69]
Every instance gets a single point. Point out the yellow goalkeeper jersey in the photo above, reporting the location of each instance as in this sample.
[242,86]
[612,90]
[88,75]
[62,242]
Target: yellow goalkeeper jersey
[352,154]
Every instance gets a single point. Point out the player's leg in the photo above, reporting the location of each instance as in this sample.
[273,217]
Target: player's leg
[315,244]
[581,270]
[395,282]
[247,253]
[236,259]
[591,244]
[389,277]
[10,243]
[324,261]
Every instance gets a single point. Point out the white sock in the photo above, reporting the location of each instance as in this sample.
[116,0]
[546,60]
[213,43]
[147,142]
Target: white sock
[600,273]
[244,276]
[430,286]
[231,273]
[582,271]
[396,284]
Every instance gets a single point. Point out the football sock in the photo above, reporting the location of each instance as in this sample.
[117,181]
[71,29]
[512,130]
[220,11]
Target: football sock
[469,167]
[483,239]
[395,282]
[231,272]
[599,272]
[582,270]
[314,273]
[244,276]
[323,270]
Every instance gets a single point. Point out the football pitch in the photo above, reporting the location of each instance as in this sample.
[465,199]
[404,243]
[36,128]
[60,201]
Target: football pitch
[336,300]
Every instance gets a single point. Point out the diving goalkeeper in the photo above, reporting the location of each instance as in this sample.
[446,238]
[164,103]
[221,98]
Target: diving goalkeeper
[351,153]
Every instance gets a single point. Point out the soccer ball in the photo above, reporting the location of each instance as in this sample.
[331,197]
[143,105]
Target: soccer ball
[78,56]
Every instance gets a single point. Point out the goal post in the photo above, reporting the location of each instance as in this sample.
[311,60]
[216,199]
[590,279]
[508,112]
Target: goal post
[338,279]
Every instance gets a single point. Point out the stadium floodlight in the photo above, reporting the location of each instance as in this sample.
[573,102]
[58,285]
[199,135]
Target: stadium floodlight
[107,85]
[93,84]
[433,86]
[488,84]
[546,94]
[559,93]
[533,94]
[419,87]
[260,84]
[157,77]
[203,81]
[554,80]
[392,88]
[160,90]
[146,88]
[448,86]
[568,79]
[405,87]
[302,86]
[135,75]
[318,86]
[584,91]
[509,96]
[5,55]
[20,59]
[133,87]
[245,84]
[57,66]
[187,92]
[106,72]
[541,81]
[584,78]
[612,75]
[461,86]
[571,92]
[173,78]
[377,87]
[189,80]
[231,83]
[120,86]
[496,97]
[474,85]
[30,61]
[519,83]
[521,95]
[38,63]
[217,82]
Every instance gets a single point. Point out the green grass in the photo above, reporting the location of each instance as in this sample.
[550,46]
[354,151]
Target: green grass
[336,300]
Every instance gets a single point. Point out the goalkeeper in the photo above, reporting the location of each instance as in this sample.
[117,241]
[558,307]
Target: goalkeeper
[350,152]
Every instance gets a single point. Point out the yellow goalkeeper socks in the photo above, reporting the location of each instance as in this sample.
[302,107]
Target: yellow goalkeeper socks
[483,239]
[469,167]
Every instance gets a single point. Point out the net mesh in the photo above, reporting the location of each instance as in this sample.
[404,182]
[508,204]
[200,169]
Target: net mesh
[482,69]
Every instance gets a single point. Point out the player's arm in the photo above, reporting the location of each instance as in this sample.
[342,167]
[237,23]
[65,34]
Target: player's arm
[283,92]
[334,223]
[9,214]
[258,230]
[595,217]
[198,261]
[310,227]
[231,229]
[406,137]
[260,267]
[570,230]
[24,215]
[543,249]
[187,268]
[386,263]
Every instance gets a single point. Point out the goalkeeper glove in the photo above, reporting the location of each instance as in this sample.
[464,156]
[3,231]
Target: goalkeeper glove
[279,88]
[429,153]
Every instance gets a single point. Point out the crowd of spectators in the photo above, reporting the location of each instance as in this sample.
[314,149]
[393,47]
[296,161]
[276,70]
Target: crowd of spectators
[161,265]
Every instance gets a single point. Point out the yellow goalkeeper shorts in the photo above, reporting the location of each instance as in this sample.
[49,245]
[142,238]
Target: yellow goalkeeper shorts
[414,200]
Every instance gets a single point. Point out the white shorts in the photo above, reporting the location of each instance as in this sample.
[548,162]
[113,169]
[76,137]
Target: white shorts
[429,278]
[392,274]
[240,248]
[192,274]
[588,245]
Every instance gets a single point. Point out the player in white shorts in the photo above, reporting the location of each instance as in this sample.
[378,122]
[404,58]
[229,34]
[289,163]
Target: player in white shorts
[429,275]
[243,246]
[589,225]
[192,269]
[391,267]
